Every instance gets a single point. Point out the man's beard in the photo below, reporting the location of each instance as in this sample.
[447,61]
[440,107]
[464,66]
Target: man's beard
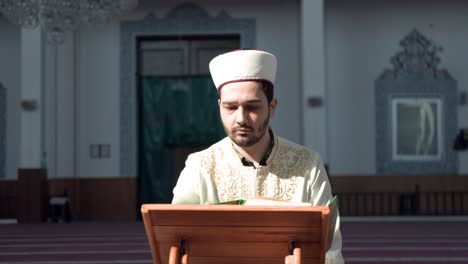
[248,140]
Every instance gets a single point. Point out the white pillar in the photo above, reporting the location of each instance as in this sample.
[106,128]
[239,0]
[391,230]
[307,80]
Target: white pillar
[31,108]
[60,105]
[313,77]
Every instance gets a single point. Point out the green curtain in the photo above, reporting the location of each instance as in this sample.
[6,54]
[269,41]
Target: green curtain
[174,111]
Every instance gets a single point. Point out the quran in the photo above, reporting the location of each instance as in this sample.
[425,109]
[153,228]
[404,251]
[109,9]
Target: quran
[266,201]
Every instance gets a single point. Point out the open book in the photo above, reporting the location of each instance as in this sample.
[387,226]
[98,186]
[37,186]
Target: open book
[332,204]
[265,201]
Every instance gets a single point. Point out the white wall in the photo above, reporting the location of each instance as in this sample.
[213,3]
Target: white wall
[98,98]
[10,77]
[361,37]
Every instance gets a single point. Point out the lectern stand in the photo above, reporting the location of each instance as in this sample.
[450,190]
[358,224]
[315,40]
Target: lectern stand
[237,234]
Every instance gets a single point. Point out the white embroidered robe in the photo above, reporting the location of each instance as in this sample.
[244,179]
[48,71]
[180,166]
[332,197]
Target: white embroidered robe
[292,173]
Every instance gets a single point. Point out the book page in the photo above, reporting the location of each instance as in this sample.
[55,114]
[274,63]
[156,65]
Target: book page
[272,201]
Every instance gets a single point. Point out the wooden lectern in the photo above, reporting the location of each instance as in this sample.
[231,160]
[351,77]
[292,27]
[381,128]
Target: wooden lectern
[237,234]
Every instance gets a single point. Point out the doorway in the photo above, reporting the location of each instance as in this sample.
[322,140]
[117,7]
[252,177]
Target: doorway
[177,107]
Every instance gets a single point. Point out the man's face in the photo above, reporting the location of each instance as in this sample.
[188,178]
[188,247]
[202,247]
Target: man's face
[245,112]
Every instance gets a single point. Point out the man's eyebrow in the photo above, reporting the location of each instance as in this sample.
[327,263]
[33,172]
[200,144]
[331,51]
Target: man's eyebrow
[252,101]
[229,103]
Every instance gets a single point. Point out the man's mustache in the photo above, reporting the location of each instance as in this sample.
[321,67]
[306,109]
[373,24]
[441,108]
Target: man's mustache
[242,128]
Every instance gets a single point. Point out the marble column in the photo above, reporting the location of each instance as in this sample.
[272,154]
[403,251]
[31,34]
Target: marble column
[32,176]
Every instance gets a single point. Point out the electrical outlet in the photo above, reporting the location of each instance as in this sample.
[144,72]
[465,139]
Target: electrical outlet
[104,151]
[94,151]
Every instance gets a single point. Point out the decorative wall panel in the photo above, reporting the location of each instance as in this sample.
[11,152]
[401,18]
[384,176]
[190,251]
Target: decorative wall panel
[416,112]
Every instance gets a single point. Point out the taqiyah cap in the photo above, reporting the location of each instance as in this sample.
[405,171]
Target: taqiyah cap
[243,65]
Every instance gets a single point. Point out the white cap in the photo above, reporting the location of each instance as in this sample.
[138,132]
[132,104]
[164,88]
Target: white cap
[243,65]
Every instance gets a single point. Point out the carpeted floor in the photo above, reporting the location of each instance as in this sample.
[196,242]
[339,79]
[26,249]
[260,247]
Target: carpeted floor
[405,240]
[365,240]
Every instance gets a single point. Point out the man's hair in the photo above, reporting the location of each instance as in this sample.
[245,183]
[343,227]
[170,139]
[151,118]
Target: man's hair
[267,88]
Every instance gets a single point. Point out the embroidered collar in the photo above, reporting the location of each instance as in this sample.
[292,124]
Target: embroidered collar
[263,161]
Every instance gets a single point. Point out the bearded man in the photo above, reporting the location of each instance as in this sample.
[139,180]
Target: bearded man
[252,161]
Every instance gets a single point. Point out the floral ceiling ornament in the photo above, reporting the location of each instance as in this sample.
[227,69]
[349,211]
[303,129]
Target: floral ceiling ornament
[56,17]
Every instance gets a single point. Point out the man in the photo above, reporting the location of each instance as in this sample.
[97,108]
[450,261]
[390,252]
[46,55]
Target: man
[252,161]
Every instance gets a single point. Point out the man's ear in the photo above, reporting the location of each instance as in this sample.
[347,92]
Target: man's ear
[273,105]
[219,102]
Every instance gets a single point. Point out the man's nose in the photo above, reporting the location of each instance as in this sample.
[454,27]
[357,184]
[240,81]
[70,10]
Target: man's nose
[241,117]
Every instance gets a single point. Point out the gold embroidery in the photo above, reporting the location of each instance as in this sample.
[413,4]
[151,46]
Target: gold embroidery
[231,182]
[281,180]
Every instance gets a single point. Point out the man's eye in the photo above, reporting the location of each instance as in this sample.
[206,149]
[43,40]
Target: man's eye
[251,107]
[231,107]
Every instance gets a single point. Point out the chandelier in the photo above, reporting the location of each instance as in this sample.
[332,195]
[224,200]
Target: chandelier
[56,17]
